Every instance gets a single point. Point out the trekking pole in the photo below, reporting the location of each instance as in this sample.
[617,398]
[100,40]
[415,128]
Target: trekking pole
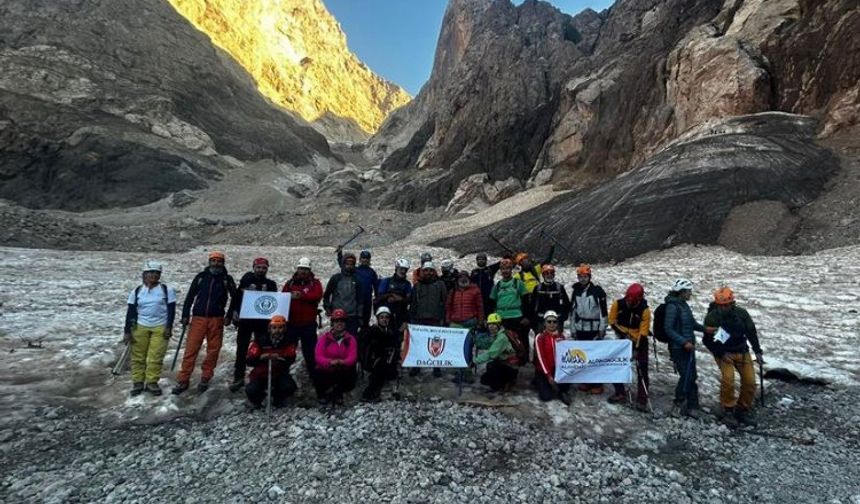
[505,247]
[123,359]
[178,346]
[269,392]
[356,235]
[640,381]
[544,234]
[656,360]
[761,381]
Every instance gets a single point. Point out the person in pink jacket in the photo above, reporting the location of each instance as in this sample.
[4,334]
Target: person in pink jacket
[336,354]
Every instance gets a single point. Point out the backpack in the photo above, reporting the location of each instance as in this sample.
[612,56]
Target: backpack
[137,291]
[660,324]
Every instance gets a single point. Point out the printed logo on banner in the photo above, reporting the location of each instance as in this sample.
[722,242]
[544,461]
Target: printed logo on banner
[575,356]
[266,305]
[436,346]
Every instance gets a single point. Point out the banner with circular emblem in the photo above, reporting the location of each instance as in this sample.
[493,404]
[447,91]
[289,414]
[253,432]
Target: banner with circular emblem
[264,305]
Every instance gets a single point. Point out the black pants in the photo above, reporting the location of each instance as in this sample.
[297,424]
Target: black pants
[522,331]
[334,382]
[307,336]
[283,386]
[687,390]
[247,329]
[381,371]
[545,390]
[499,374]
[641,356]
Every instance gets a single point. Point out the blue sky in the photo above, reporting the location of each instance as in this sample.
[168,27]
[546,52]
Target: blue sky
[397,38]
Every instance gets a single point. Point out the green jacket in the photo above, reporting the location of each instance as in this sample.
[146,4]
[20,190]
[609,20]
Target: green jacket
[500,349]
[508,296]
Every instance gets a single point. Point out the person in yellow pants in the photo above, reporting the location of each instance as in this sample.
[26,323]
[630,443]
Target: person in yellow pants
[148,328]
[730,346]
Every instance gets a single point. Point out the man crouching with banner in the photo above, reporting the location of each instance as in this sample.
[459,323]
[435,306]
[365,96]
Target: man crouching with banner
[336,355]
[274,347]
[382,353]
[545,342]
[501,358]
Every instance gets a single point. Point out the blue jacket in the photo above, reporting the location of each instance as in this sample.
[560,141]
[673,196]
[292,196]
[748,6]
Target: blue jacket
[680,322]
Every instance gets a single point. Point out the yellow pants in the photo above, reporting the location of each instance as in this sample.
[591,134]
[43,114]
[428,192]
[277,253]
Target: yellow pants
[744,365]
[148,346]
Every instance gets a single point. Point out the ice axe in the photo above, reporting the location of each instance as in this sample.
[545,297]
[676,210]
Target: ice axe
[178,346]
[544,234]
[356,235]
[123,359]
[761,380]
[505,247]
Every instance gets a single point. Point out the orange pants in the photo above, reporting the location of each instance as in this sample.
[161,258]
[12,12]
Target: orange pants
[212,330]
[742,363]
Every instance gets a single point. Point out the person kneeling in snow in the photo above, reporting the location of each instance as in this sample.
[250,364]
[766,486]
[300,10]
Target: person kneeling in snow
[501,358]
[383,348]
[336,354]
[275,347]
[545,342]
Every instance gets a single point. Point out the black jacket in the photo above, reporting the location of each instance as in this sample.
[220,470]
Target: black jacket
[207,296]
[251,282]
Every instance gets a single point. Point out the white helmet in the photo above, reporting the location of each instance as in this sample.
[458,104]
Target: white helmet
[401,263]
[682,284]
[152,265]
[382,310]
[428,265]
[447,264]
[304,262]
[550,314]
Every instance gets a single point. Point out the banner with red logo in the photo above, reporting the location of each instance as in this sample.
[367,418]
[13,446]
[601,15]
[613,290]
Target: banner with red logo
[442,347]
[593,361]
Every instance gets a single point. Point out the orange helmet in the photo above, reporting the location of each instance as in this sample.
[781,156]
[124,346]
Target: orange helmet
[506,263]
[724,296]
[583,269]
[522,256]
[547,268]
[216,255]
[278,320]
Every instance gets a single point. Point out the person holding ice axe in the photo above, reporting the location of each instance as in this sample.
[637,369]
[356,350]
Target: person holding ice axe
[270,358]
[731,349]
[630,318]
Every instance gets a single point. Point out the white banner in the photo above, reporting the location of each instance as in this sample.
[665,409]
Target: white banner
[442,347]
[593,361]
[264,305]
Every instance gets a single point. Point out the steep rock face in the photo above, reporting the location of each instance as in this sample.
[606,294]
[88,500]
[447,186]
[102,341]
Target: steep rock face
[297,54]
[626,83]
[121,102]
[683,194]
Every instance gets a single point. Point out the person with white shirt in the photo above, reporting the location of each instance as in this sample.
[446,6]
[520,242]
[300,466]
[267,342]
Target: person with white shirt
[148,328]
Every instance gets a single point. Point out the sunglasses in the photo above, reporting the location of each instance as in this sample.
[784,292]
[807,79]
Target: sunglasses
[551,322]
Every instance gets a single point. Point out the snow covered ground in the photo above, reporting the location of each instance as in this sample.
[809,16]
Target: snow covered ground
[74,304]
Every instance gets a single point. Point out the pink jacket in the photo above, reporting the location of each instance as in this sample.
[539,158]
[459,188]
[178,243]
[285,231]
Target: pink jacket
[329,349]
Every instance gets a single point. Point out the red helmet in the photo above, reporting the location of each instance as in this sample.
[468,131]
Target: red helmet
[261,261]
[635,293]
[506,263]
[338,314]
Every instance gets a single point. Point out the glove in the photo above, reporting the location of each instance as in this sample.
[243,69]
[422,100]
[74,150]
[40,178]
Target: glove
[759,358]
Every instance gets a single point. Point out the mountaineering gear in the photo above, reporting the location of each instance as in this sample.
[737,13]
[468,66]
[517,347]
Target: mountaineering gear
[738,324]
[746,417]
[550,296]
[630,318]
[742,363]
[383,310]
[306,292]
[427,300]
[207,296]
[545,363]
[395,293]
[660,324]
[583,270]
[402,263]
[335,361]
[269,353]
[382,353]
[343,292]
[680,326]
[210,329]
[687,388]
[464,306]
[588,307]
[634,294]
[338,315]
[679,323]
[508,298]
[501,359]
[494,318]
[447,265]
[148,324]
[152,265]
[260,261]
[203,386]
[304,262]
[150,307]
[724,296]
[682,284]
[136,389]
[547,268]
[252,328]
[368,281]
[484,278]
[550,315]
[179,388]
[154,389]
[426,257]
[365,254]
[215,254]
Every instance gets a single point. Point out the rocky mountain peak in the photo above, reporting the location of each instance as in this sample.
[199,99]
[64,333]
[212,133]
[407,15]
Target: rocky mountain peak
[297,53]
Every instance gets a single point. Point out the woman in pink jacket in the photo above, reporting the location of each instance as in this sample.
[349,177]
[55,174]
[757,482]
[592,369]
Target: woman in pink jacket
[336,354]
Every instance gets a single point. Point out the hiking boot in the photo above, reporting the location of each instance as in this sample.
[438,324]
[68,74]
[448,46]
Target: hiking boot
[617,399]
[597,390]
[237,385]
[414,371]
[584,387]
[694,413]
[565,398]
[179,388]
[154,389]
[678,410]
[322,401]
[437,373]
[136,389]
[641,406]
[746,418]
[202,387]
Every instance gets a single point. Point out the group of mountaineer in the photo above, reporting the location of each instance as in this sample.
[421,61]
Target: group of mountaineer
[500,314]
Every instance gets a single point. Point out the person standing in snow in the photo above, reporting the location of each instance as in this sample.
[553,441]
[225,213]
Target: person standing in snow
[630,318]
[205,308]
[589,315]
[545,343]
[343,291]
[368,281]
[484,276]
[395,292]
[417,273]
[336,356]
[305,295]
[427,305]
[148,328]
[275,346]
[508,296]
[449,274]
[254,280]
[733,354]
[549,295]
[680,326]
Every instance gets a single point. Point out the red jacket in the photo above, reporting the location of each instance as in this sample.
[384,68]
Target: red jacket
[286,351]
[464,304]
[304,311]
[545,352]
